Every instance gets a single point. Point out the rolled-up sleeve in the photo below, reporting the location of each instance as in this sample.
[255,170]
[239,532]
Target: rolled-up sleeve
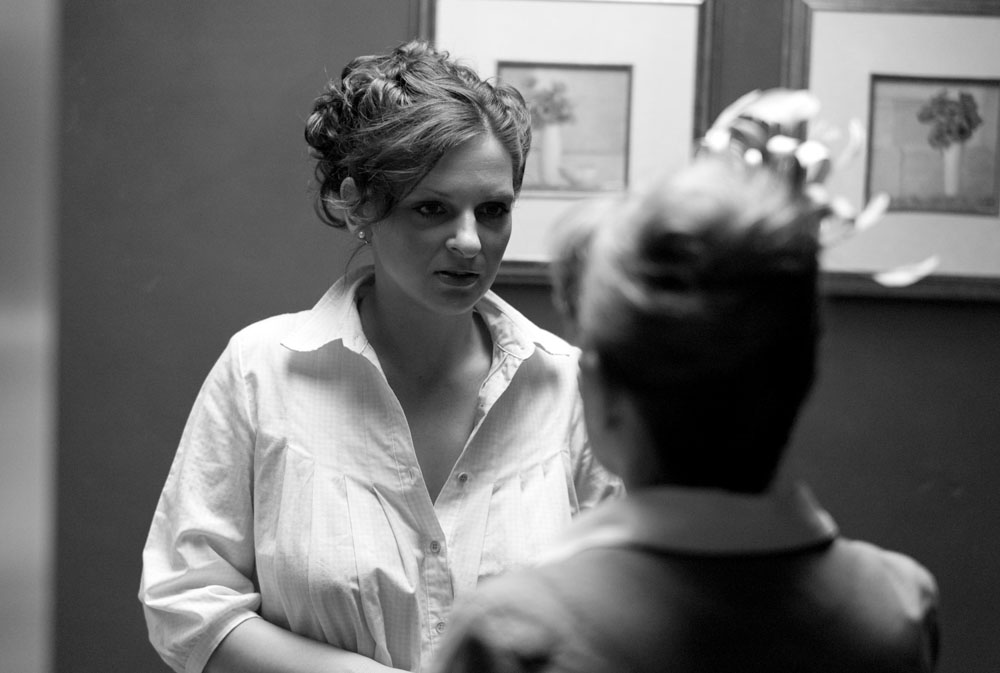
[198,560]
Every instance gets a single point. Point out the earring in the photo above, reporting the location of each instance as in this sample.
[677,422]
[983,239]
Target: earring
[361,236]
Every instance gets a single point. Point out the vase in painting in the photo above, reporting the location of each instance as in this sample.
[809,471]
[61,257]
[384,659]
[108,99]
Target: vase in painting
[551,154]
[952,158]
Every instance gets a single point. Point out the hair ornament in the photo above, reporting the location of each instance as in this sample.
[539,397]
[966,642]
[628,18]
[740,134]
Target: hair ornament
[766,129]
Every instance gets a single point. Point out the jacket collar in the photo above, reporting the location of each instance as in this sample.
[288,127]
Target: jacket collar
[702,521]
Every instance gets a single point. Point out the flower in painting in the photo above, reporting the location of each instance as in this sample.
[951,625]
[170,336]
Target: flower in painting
[952,119]
[548,103]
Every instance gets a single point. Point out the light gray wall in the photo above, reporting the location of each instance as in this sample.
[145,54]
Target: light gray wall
[28,50]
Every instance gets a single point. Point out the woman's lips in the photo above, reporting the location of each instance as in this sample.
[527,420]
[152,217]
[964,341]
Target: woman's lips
[461,278]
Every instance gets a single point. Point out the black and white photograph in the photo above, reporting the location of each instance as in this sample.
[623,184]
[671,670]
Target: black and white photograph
[499,336]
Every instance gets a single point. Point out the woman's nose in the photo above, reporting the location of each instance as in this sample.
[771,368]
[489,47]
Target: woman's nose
[465,240]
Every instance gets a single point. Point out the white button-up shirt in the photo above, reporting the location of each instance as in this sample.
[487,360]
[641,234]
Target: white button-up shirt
[296,496]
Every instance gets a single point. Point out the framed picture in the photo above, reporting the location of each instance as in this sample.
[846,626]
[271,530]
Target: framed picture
[580,118]
[618,88]
[932,145]
[870,60]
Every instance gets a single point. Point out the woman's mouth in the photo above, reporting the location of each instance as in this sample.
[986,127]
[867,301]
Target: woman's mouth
[458,278]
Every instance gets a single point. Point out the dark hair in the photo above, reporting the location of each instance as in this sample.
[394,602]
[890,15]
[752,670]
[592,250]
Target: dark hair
[390,117]
[699,298]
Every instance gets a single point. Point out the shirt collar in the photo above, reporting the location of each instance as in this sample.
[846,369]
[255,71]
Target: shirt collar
[702,521]
[335,317]
[513,333]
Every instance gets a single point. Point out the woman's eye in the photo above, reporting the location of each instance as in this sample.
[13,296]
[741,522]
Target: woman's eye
[492,211]
[429,209]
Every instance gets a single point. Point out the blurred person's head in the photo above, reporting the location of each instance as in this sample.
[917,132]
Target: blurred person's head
[695,304]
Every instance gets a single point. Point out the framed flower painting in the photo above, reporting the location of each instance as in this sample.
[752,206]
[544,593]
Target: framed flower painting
[923,79]
[580,125]
[933,144]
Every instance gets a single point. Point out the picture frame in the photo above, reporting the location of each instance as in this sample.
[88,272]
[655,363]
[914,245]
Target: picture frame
[933,144]
[888,43]
[655,126]
[581,123]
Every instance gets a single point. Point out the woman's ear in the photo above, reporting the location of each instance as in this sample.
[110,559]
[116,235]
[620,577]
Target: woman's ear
[603,400]
[610,416]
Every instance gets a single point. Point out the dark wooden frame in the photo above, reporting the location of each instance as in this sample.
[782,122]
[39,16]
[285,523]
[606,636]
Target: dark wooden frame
[796,54]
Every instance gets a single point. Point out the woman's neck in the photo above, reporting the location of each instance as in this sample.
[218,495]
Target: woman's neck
[421,342]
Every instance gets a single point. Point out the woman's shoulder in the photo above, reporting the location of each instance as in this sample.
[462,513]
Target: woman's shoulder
[271,328]
[263,339]
[893,568]
[332,318]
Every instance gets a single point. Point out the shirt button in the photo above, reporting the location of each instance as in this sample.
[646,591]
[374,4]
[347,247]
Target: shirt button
[435,546]
[464,477]
[439,627]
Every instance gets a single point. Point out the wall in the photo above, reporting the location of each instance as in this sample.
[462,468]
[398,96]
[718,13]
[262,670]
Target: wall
[27,330]
[899,441]
[185,215]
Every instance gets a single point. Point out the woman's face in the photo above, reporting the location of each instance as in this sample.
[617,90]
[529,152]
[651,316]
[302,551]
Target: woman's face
[441,246]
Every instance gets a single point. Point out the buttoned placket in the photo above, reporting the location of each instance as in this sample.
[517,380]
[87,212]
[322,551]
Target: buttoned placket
[436,557]
[438,594]
[455,503]
[437,525]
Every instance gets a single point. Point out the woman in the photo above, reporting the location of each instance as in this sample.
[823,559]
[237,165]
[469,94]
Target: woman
[696,307]
[348,471]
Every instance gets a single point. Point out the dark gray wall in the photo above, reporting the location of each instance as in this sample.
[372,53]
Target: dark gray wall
[900,441]
[184,215]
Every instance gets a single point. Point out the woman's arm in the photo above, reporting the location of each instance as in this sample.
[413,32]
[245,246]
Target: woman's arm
[199,556]
[258,646]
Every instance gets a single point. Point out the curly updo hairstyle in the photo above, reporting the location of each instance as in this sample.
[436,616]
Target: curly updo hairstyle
[699,297]
[389,119]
